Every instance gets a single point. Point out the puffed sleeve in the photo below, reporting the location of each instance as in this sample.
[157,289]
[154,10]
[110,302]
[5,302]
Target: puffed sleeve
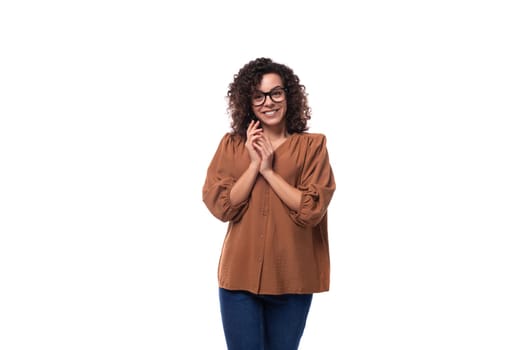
[316,183]
[220,180]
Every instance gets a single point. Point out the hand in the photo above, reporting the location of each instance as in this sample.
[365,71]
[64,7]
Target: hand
[253,134]
[264,148]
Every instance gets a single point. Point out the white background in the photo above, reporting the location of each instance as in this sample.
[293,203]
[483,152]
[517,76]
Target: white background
[110,113]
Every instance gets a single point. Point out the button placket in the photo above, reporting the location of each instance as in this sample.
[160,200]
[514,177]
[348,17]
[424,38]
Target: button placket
[264,211]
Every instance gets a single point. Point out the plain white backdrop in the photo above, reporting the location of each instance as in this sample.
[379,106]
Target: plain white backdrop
[111,111]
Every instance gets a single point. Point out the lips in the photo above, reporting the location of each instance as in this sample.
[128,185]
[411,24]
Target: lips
[270,113]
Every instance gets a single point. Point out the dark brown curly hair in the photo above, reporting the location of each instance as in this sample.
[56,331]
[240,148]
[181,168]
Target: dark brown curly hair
[243,86]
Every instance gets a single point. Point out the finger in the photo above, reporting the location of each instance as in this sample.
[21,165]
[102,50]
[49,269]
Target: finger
[259,151]
[265,142]
[262,148]
[257,140]
[257,144]
[253,133]
[250,126]
[255,127]
[256,137]
[267,152]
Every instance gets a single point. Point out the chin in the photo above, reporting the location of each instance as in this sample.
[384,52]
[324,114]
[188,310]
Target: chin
[272,122]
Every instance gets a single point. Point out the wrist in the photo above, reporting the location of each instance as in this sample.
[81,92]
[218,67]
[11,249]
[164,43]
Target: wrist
[266,172]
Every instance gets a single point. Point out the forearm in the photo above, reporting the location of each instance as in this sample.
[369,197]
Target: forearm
[243,186]
[290,195]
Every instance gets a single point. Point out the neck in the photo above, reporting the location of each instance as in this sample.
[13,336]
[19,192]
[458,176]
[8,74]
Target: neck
[275,133]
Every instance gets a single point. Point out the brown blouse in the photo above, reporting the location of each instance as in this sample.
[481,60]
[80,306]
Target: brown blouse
[269,248]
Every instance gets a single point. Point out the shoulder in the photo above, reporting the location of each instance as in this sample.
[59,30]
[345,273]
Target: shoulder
[311,139]
[231,141]
[231,138]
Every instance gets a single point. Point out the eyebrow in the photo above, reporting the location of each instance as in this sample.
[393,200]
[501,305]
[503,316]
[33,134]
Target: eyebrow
[278,86]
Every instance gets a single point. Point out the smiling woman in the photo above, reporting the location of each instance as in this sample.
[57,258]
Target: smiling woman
[272,181]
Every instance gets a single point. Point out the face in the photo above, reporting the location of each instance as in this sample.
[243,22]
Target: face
[270,112]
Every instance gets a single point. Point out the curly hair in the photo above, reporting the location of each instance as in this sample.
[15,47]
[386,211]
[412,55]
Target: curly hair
[243,87]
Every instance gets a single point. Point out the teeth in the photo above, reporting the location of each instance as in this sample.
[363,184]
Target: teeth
[270,113]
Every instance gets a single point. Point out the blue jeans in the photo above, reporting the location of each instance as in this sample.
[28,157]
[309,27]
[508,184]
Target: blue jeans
[263,322]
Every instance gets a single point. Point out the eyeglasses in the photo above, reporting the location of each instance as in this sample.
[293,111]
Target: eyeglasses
[277,94]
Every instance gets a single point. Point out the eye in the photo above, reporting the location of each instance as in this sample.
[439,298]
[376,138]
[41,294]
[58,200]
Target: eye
[277,93]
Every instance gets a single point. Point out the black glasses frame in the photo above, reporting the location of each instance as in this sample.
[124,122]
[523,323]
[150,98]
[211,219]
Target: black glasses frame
[269,94]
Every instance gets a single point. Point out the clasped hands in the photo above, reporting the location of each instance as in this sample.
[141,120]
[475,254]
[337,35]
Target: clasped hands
[259,147]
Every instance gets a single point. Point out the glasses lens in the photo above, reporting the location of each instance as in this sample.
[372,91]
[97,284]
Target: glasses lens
[258,98]
[277,95]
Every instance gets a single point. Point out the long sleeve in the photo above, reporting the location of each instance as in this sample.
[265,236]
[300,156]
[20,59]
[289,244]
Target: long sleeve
[268,247]
[316,183]
[219,181]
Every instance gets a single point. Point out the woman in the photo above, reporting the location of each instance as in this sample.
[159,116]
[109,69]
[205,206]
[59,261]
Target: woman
[272,181]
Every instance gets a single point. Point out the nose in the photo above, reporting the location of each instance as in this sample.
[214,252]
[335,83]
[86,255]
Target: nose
[268,101]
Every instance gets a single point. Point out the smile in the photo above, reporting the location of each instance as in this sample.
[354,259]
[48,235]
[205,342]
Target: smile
[270,113]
